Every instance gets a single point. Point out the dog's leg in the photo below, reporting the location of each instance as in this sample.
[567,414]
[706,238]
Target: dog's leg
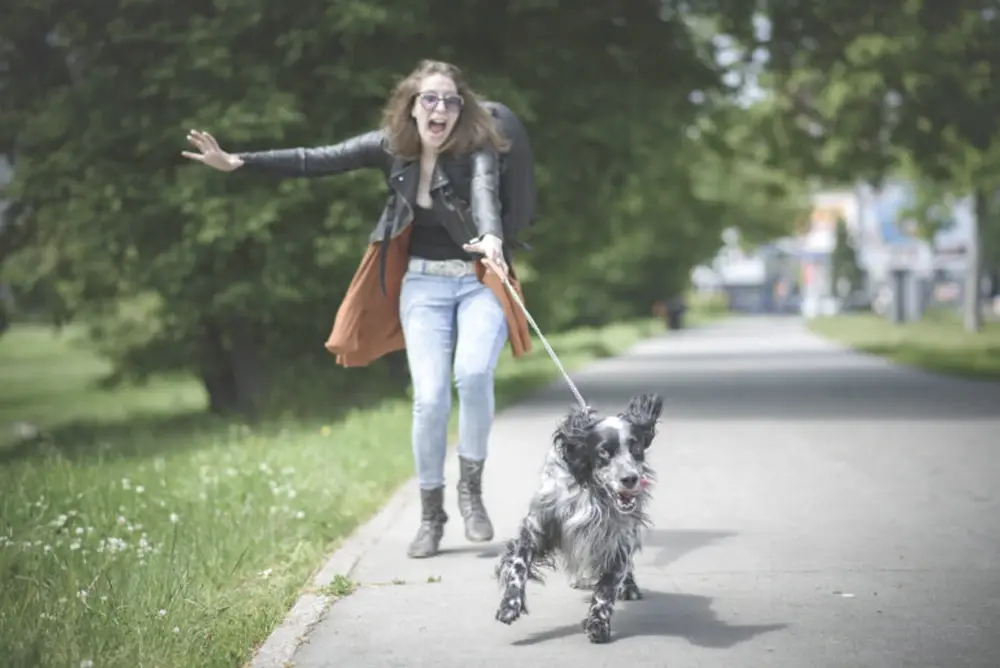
[516,567]
[629,590]
[597,625]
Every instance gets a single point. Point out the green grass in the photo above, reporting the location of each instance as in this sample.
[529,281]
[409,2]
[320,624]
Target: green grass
[142,533]
[936,343]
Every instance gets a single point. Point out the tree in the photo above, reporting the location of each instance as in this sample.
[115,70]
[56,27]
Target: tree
[868,90]
[236,278]
[844,261]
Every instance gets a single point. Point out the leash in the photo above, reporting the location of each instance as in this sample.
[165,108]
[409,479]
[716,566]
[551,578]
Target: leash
[545,342]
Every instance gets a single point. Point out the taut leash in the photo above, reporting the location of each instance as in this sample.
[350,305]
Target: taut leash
[545,342]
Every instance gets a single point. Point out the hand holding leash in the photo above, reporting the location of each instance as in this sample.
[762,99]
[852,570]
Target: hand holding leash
[491,248]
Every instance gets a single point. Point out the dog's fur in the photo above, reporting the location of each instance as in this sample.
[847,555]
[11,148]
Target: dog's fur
[588,513]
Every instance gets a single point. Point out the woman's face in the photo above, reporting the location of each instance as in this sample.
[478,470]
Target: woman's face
[436,109]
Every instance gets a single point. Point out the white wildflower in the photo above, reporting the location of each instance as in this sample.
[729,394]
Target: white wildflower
[126,483]
[162,613]
[86,663]
[121,521]
[174,518]
[74,546]
[140,489]
[177,629]
[300,515]
[266,573]
[78,531]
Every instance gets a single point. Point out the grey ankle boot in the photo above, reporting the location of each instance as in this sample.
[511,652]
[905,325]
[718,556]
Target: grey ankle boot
[432,521]
[478,528]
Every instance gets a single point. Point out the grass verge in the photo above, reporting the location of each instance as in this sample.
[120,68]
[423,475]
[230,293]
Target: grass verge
[140,534]
[936,343]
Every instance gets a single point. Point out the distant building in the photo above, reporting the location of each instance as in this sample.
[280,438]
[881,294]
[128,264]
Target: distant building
[796,272]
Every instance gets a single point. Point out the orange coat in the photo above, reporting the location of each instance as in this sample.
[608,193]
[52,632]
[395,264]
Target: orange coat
[367,325]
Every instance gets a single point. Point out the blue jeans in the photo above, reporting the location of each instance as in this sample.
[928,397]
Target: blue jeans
[446,320]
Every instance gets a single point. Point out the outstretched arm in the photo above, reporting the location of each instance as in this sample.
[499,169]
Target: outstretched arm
[365,150]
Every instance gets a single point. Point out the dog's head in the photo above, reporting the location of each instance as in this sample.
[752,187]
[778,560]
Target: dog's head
[609,454]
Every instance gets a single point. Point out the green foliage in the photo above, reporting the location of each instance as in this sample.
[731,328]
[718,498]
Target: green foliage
[866,92]
[844,260]
[237,277]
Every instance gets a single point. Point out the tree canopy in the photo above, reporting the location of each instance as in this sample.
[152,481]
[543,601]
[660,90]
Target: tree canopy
[645,152]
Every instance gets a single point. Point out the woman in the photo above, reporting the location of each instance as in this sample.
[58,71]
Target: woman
[418,286]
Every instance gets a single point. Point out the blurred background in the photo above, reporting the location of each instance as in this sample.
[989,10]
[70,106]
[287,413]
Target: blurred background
[772,159]
[833,160]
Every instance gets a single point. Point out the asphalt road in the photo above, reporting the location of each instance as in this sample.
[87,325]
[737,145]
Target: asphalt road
[815,509]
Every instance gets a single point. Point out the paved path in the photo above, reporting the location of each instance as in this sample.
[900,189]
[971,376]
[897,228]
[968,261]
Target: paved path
[816,509]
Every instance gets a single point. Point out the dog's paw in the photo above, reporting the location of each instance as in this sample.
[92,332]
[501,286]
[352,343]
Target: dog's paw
[629,591]
[512,606]
[598,630]
[581,583]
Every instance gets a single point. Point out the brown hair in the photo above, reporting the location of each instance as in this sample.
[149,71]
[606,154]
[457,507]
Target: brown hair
[473,130]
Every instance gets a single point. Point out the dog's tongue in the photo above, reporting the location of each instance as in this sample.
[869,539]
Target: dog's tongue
[643,483]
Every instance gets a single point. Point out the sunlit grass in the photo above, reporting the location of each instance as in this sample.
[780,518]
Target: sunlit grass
[139,532]
[936,343]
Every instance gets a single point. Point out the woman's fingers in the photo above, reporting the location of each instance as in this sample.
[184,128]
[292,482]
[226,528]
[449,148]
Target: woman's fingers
[210,141]
[497,268]
[196,141]
[193,156]
[203,141]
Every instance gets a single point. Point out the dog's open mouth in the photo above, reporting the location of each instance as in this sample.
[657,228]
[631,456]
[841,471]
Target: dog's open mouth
[626,501]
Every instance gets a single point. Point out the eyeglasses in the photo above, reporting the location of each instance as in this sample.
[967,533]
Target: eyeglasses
[429,101]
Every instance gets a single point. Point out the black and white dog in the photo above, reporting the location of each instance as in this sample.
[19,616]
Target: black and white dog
[588,513]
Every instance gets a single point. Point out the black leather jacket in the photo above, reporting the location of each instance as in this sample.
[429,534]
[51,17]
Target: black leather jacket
[464,189]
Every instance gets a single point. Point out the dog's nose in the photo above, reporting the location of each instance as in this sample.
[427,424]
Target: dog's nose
[630,481]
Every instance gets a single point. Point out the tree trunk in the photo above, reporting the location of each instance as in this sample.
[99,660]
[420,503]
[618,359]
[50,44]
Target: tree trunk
[973,311]
[216,372]
[248,368]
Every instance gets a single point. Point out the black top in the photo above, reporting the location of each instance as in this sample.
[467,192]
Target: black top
[430,240]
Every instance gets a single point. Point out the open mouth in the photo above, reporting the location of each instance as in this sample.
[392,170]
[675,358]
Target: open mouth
[626,501]
[437,128]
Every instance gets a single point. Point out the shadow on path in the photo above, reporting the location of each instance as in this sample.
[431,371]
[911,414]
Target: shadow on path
[660,614]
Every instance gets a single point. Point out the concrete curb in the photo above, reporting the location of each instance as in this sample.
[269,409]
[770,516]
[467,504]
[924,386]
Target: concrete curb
[280,647]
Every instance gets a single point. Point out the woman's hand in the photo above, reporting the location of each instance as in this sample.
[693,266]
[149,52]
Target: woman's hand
[209,152]
[491,248]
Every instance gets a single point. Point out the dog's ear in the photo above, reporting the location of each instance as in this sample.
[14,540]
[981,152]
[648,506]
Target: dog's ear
[643,412]
[573,439]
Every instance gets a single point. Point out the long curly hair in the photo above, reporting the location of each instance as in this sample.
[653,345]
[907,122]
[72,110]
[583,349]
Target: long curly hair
[474,130]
